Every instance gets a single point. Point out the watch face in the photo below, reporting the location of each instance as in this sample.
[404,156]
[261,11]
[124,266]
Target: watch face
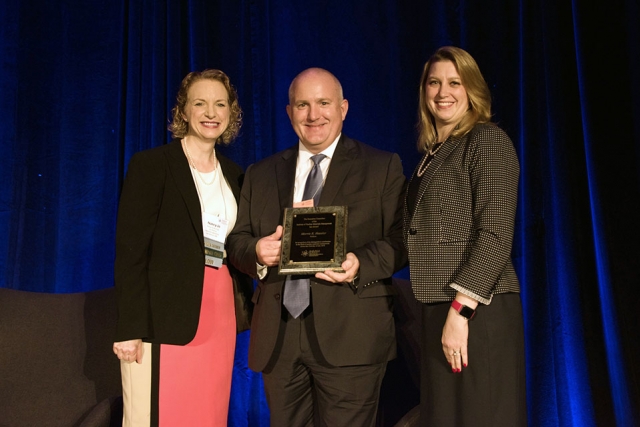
[467,312]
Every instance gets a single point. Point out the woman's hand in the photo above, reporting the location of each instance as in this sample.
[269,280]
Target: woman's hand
[454,340]
[455,335]
[129,351]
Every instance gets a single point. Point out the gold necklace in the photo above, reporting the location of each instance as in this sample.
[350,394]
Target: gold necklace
[426,159]
[193,165]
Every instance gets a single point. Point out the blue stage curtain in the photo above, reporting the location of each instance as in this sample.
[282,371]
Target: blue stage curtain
[85,84]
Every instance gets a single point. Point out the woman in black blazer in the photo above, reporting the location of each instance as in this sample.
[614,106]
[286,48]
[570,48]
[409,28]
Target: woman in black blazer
[458,227]
[179,303]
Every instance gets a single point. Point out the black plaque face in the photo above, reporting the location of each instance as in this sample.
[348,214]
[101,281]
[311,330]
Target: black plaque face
[314,239]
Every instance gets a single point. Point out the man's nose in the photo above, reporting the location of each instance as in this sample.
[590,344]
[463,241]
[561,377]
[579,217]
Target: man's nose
[314,113]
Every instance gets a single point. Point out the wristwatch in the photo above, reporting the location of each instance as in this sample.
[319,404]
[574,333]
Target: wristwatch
[463,310]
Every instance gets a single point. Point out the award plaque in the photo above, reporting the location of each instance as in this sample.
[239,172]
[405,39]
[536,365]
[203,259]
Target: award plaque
[314,239]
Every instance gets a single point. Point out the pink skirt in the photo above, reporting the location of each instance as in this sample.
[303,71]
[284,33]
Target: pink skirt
[195,379]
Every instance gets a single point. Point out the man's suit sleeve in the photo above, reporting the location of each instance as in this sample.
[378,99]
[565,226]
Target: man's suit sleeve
[385,254]
[242,242]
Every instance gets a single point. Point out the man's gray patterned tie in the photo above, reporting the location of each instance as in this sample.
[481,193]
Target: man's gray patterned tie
[296,291]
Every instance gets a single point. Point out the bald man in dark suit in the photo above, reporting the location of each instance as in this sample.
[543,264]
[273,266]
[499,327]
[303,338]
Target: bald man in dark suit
[324,366]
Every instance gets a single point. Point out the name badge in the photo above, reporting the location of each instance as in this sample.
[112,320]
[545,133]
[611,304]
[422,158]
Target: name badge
[215,232]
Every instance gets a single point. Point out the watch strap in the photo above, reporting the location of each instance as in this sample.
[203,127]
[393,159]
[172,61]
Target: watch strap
[463,310]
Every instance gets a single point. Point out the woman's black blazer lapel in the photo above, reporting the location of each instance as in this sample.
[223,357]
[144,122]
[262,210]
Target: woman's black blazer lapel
[179,170]
[232,174]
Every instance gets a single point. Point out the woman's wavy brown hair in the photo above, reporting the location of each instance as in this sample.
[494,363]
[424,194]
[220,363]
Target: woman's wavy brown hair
[477,91]
[179,126]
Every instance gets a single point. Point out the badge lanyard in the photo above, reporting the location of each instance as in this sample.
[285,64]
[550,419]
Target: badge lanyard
[214,229]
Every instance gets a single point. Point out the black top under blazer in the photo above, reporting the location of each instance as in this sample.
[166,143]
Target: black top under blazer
[351,328]
[460,234]
[159,266]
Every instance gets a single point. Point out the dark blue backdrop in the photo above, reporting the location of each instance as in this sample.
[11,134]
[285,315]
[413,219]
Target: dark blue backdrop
[85,84]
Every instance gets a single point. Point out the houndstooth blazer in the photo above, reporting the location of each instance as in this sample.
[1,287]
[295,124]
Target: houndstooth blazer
[460,233]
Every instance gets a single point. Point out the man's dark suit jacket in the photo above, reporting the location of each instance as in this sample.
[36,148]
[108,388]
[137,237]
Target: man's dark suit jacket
[159,267]
[352,329]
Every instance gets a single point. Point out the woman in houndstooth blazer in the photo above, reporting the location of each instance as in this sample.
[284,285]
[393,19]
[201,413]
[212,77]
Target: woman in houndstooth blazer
[459,216]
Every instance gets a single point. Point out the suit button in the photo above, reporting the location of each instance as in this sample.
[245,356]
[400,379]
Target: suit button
[277,296]
[413,231]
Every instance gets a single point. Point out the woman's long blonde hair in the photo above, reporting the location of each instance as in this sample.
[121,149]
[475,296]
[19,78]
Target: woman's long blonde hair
[477,91]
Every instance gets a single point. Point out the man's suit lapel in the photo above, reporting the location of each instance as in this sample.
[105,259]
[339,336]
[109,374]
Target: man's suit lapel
[285,175]
[340,166]
[179,169]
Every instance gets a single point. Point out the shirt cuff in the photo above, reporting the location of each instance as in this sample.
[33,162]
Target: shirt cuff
[470,294]
[262,270]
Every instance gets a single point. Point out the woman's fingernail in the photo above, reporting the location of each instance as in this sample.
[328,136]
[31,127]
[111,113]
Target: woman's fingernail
[465,365]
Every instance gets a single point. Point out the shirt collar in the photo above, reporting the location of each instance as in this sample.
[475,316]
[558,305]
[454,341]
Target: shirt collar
[304,154]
